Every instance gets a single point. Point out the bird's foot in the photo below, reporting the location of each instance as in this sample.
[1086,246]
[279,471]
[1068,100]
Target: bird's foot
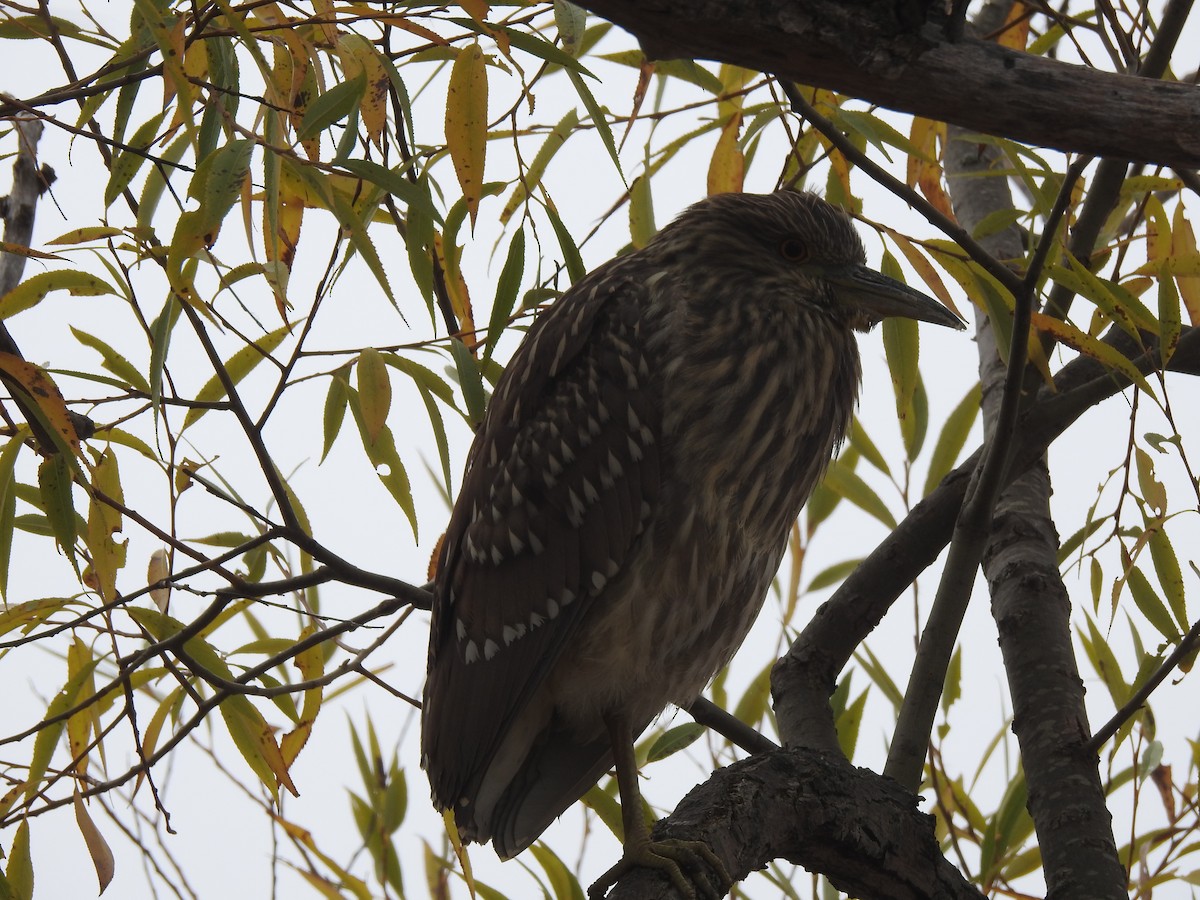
[671,858]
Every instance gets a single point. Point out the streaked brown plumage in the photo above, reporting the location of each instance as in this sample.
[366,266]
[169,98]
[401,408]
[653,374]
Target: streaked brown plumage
[628,497]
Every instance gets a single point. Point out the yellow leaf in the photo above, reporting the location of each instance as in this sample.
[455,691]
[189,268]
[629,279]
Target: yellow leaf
[727,168]
[1068,334]
[925,172]
[359,56]
[79,726]
[311,664]
[104,522]
[374,392]
[466,122]
[47,399]
[456,287]
[1183,244]
[1015,33]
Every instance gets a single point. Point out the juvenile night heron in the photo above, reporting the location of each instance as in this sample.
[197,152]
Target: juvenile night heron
[627,501]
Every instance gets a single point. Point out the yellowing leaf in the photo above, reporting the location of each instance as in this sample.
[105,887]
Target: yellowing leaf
[80,663]
[237,367]
[1183,244]
[466,122]
[311,665]
[1090,346]
[251,734]
[727,167]
[924,168]
[360,57]
[48,404]
[374,392]
[1015,33]
[104,522]
[32,290]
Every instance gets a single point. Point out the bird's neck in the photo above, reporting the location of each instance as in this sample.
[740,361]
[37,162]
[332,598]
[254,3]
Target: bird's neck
[755,404]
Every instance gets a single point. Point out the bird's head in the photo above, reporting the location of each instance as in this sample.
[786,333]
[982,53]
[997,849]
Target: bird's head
[788,246]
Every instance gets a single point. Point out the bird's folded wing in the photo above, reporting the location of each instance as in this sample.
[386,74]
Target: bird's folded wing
[562,479]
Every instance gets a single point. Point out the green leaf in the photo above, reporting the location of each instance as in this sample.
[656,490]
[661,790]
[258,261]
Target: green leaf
[834,574]
[1151,606]
[336,103]
[607,808]
[571,258]
[563,883]
[237,367]
[953,438]
[506,291]
[394,182]
[846,483]
[227,170]
[251,734]
[470,379]
[386,462]
[673,740]
[1152,489]
[598,116]
[113,361]
[861,441]
[18,875]
[1007,829]
[360,240]
[126,163]
[47,738]
[952,690]
[160,341]
[879,675]
[8,509]
[532,177]
[848,724]
[1166,567]
[753,705]
[336,401]
[641,212]
[55,481]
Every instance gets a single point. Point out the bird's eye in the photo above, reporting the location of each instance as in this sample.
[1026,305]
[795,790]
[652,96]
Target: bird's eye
[793,249]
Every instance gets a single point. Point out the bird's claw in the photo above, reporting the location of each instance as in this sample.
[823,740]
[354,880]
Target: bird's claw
[671,858]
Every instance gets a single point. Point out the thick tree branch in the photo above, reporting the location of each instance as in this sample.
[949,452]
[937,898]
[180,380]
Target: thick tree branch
[867,50]
[859,829]
[1029,600]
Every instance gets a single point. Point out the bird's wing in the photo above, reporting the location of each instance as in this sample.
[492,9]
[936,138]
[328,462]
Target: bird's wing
[560,483]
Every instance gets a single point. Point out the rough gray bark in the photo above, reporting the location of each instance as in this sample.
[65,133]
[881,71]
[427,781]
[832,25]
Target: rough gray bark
[859,829]
[898,55]
[1029,601]
[1032,612]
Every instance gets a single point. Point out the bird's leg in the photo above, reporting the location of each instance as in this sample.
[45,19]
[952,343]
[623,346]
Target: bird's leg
[670,857]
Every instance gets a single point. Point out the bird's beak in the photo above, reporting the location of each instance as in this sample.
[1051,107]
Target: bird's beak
[877,297]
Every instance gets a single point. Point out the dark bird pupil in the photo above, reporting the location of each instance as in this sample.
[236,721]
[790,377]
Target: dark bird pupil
[793,249]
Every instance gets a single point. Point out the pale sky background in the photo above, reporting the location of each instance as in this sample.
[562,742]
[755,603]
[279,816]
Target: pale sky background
[224,850]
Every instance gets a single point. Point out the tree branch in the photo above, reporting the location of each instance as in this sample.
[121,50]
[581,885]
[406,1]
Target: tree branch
[859,829]
[864,49]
